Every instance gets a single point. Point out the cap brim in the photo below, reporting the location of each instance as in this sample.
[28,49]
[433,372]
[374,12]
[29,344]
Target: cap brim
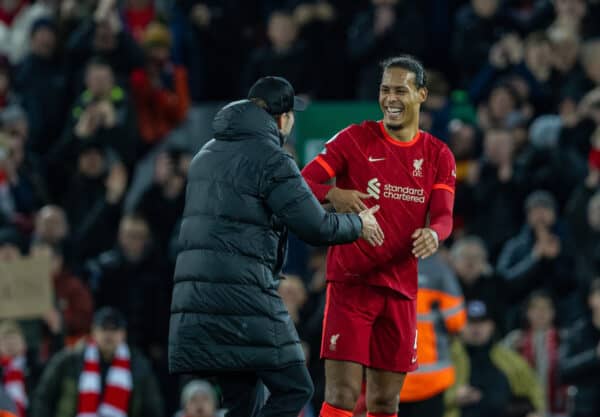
[299,104]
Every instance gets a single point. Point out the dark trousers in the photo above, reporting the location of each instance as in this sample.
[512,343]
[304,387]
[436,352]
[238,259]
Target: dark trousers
[431,407]
[244,393]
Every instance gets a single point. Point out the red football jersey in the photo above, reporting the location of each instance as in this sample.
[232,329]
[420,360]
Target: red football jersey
[400,177]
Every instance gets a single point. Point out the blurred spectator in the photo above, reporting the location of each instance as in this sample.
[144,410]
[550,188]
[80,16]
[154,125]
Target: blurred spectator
[580,362]
[104,373]
[69,15]
[477,26]
[198,399]
[435,112]
[73,299]
[493,190]
[133,278]
[43,336]
[529,60]
[41,84]
[542,157]
[103,36]
[51,227]
[16,19]
[440,314]
[492,380]
[214,31]
[476,277]
[285,56]
[503,108]
[540,257]
[162,204]
[322,28]
[160,90]
[582,82]
[19,172]
[570,15]
[566,46]
[13,364]
[138,14]
[538,342]
[92,200]
[388,28]
[583,215]
[101,114]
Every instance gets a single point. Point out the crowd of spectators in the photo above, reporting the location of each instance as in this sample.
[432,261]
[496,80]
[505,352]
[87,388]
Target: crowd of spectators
[92,89]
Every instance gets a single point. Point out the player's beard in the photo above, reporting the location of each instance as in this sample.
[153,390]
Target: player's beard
[394,126]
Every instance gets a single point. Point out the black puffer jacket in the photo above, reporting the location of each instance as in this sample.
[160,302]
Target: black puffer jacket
[243,192]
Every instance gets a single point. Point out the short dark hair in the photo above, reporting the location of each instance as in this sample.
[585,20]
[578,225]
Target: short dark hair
[408,63]
[98,61]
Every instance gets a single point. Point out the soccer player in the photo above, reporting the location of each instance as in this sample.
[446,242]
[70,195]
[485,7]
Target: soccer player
[370,316]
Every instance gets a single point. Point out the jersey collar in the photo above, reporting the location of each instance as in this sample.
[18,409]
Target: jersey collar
[393,141]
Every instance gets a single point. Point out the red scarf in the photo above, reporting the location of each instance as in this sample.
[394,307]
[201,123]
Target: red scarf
[117,390]
[14,381]
[557,393]
[8,17]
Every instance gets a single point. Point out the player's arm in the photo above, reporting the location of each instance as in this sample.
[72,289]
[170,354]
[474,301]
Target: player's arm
[328,165]
[316,173]
[441,203]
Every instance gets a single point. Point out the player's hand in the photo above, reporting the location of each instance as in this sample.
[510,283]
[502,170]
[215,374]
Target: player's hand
[371,231]
[425,243]
[347,201]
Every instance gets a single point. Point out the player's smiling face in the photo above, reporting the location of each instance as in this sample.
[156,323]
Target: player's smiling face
[399,98]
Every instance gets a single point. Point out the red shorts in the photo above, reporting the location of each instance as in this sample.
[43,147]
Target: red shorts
[373,326]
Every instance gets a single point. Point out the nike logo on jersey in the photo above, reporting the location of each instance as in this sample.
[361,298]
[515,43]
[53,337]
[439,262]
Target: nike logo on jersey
[371,159]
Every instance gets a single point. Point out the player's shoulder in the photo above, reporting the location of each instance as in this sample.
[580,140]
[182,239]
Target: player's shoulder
[357,132]
[436,145]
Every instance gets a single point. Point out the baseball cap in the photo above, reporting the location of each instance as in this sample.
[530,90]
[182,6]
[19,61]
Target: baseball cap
[109,318]
[43,23]
[540,198]
[278,94]
[477,310]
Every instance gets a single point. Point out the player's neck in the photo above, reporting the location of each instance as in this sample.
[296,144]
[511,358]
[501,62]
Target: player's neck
[404,134]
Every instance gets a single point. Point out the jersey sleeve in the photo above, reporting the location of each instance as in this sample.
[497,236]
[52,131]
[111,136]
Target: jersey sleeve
[330,163]
[441,204]
[445,178]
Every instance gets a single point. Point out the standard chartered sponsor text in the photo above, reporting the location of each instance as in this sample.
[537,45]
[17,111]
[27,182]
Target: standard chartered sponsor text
[397,192]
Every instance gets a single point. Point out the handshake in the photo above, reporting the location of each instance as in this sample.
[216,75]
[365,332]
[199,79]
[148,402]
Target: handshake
[371,231]
[350,201]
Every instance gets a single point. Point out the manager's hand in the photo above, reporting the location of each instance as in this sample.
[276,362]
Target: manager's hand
[371,231]
[347,201]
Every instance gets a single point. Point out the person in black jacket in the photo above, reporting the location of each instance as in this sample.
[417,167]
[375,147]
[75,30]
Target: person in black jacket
[244,191]
[540,257]
[580,362]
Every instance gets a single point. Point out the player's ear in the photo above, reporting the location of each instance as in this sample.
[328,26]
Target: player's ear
[423,92]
